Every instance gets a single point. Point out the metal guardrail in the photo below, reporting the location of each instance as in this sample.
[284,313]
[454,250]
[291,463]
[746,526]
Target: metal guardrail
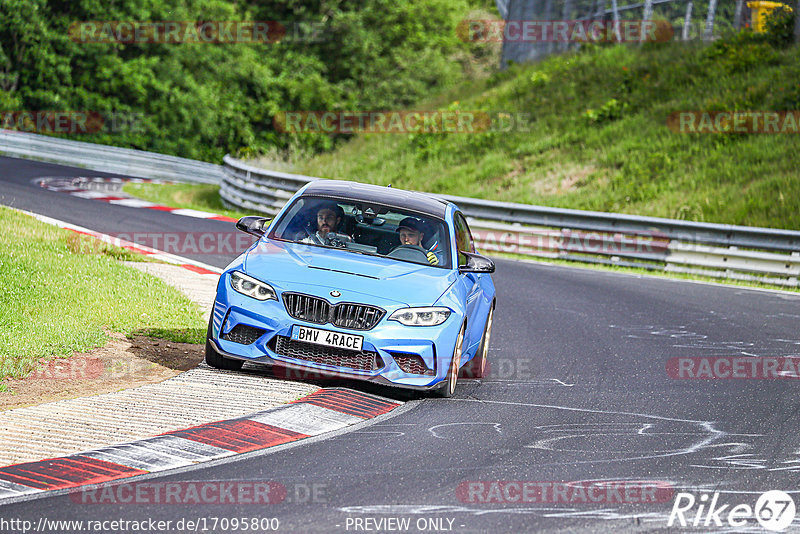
[717,250]
[136,163]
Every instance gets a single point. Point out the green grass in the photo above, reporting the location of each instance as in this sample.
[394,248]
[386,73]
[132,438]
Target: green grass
[599,138]
[60,292]
[203,197]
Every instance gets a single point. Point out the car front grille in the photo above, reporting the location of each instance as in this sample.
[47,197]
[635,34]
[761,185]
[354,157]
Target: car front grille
[411,363]
[361,360]
[356,316]
[307,308]
[320,311]
[243,334]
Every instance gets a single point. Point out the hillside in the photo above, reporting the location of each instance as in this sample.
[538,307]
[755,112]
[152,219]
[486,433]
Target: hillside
[599,136]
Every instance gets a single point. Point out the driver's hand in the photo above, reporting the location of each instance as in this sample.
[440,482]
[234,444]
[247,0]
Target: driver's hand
[432,259]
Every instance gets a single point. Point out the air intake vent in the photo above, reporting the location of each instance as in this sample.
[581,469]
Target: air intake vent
[411,363]
[361,360]
[243,334]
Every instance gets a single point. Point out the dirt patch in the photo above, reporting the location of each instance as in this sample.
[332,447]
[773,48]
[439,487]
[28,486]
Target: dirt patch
[562,180]
[121,364]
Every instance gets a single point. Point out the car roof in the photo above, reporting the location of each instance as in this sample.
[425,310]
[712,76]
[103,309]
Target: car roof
[419,202]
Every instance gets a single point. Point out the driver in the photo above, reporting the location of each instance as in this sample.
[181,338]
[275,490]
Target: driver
[412,232]
[329,217]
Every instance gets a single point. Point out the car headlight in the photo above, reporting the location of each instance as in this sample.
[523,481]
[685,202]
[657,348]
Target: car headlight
[247,285]
[431,316]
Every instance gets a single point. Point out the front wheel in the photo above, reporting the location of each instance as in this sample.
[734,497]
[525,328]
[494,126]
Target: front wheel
[476,367]
[215,359]
[449,386]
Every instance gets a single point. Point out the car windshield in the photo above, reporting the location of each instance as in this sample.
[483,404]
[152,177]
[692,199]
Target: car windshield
[365,228]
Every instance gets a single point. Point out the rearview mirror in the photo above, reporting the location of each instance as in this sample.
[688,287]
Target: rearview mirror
[475,263]
[253,225]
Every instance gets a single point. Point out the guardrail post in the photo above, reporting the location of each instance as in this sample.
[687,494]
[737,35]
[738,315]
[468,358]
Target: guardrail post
[709,31]
[566,15]
[548,16]
[647,14]
[687,22]
[737,17]
[615,14]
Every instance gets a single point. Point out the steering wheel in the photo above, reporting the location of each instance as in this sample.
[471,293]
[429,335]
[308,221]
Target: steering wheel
[337,240]
[408,252]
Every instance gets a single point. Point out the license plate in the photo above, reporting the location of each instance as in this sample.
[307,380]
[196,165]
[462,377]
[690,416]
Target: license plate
[327,338]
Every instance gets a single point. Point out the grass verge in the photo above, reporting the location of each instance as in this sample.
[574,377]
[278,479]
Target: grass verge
[60,291]
[202,197]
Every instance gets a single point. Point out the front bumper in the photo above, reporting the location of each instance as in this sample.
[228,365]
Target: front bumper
[388,339]
[305,372]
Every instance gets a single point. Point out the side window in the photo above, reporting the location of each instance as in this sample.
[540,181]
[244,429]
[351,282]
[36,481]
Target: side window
[463,238]
[469,238]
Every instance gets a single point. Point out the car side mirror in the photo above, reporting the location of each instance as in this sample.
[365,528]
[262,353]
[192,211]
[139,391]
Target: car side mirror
[476,263]
[253,225]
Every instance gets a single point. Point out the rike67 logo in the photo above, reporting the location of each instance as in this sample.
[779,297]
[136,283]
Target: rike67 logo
[774,510]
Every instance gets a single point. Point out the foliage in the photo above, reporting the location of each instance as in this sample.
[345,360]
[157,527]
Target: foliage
[611,110]
[740,52]
[202,100]
[779,26]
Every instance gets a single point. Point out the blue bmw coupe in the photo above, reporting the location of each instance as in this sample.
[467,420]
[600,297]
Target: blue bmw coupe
[358,281]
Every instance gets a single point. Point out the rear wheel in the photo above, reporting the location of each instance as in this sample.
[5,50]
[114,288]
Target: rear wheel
[215,359]
[449,386]
[476,367]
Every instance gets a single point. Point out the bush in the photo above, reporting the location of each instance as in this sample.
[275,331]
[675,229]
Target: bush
[779,26]
[612,110]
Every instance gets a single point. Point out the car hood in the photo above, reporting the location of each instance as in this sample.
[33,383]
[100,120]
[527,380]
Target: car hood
[300,267]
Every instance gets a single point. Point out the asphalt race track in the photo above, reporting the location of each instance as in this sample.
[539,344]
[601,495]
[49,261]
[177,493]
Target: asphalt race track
[578,390]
